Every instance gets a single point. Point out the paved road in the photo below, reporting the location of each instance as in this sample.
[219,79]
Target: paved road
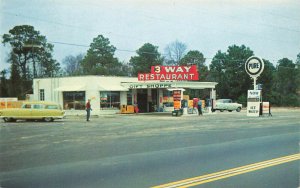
[149,150]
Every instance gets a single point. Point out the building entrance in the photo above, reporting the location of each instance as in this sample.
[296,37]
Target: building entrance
[153,105]
[147,100]
[142,100]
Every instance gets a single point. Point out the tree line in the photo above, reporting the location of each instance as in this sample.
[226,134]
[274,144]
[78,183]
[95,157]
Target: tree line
[31,57]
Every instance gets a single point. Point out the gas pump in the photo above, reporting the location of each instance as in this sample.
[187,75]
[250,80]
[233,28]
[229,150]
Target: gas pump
[177,97]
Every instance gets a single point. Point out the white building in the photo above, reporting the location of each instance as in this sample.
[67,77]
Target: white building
[108,93]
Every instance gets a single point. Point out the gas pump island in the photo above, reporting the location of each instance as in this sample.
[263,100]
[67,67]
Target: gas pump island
[254,66]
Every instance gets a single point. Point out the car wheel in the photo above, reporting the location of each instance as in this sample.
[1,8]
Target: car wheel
[30,120]
[6,119]
[48,119]
[238,109]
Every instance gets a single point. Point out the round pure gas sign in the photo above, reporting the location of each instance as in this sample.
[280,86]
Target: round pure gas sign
[254,66]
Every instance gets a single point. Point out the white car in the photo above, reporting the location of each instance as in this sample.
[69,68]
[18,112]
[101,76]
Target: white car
[227,104]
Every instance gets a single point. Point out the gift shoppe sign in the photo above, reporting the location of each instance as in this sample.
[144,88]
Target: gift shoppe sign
[170,73]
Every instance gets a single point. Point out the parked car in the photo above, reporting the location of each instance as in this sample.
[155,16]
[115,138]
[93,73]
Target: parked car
[38,110]
[227,104]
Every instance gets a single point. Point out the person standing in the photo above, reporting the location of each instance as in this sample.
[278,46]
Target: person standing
[199,107]
[88,110]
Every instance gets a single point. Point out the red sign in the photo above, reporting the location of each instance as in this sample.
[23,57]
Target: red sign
[170,73]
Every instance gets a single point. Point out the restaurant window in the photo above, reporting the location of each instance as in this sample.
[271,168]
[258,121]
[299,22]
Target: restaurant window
[109,100]
[74,100]
[167,98]
[42,94]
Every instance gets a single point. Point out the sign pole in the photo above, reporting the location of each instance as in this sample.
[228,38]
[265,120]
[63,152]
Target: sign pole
[254,83]
[254,66]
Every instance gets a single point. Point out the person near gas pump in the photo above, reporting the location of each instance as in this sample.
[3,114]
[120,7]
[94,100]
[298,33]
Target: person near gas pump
[200,107]
[195,105]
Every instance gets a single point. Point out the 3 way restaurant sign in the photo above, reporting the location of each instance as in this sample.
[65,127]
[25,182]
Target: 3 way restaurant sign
[170,73]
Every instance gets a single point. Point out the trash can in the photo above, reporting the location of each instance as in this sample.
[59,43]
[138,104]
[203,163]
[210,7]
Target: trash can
[184,106]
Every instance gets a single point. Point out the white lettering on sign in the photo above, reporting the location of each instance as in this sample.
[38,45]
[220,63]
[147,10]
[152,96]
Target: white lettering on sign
[187,69]
[142,76]
[170,73]
[172,76]
[172,69]
[157,69]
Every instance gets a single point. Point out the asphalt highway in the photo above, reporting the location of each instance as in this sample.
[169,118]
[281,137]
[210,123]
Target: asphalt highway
[153,151]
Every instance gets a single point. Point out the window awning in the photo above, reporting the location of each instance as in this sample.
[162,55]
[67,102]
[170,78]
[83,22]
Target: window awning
[71,88]
[104,87]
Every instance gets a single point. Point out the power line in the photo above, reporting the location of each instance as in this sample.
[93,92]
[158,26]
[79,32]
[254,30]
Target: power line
[86,46]
[144,52]
[135,51]
[69,44]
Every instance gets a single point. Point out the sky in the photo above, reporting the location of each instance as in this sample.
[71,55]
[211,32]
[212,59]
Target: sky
[270,28]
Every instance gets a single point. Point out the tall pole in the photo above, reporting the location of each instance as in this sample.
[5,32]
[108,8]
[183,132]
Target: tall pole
[34,68]
[254,83]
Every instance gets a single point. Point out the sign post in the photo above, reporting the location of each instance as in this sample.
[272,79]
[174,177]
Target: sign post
[254,66]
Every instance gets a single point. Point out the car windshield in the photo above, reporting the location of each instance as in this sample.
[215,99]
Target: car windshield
[224,101]
[51,107]
[38,106]
[27,106]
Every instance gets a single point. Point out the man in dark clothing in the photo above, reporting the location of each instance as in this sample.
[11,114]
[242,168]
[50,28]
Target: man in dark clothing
[199,107]
[88,110]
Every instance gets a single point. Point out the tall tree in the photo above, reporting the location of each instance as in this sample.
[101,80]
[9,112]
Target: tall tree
[31,56]
[267,80]
[285,83]
[147,56]
[17,85]
[298,74]
[48,67]
[175,52]
[3,84]
[100,59]
[195,57]
[228,70]
[217,74]
[32,51]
